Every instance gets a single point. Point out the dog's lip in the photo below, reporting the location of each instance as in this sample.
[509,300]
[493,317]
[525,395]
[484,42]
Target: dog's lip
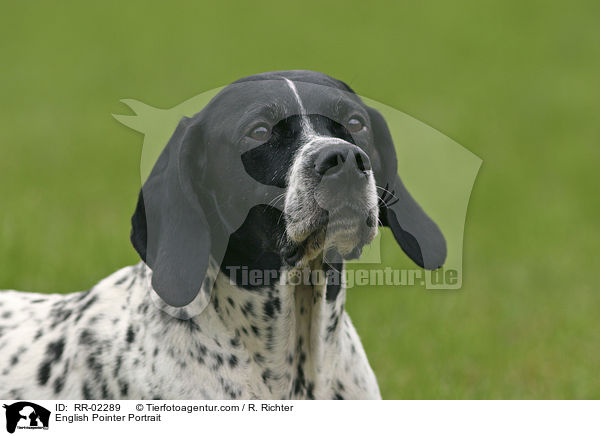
[343,228]
[347,215]
[354,254]
[292,253]
[347,208]
[296,248]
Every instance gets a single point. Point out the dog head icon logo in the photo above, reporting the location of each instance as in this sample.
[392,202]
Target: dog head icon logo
[25,414]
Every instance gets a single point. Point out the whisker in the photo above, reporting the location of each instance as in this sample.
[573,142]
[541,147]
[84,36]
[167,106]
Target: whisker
[384,189]
[388,195]
[382,201]
[276,199]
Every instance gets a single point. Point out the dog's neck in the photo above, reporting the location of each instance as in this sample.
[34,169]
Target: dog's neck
[291,331]
[286,337]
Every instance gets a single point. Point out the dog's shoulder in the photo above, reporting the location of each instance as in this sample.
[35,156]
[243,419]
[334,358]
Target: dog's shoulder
[41,334]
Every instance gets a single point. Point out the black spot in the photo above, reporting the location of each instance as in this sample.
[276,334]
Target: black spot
[143,308]
[121,280]
[94,365]
[59,314]
[270,307]
[258,358]
[332,327]
[255,331]
[130,335]
[123,388]
[105,392]
[218,361]
[270,338]
[277,304]
[333,273]
[82,295]
[248,309]
[53,353]
[266,375]
[230,301]
[132,282]
[38,335]
[88,303]
[302,358]
[337,396]
[44,372]
[59,383]
[118,365]
[233,361]
[87,393]
[299,381]
[85,306]
[7,314]
[15,394]
[86,338]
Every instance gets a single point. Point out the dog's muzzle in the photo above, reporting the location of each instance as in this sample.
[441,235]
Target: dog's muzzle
[342,171]
[332,202]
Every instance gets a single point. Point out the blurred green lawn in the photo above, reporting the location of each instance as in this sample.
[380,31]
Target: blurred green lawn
[515,82]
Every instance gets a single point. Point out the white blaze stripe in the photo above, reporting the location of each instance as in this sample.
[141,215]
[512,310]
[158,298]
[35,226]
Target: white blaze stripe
[295,91]
[308,130]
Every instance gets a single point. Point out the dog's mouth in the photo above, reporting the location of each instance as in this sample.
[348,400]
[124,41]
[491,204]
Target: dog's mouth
[342,231]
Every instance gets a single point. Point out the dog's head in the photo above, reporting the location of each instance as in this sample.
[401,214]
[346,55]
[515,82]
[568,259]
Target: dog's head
[277,169]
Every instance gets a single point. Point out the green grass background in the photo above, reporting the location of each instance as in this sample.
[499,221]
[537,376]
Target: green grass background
[516,82]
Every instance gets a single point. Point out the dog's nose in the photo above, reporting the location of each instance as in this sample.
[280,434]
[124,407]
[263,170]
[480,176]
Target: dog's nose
[332,159]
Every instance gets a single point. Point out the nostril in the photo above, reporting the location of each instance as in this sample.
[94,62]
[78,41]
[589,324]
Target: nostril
[329,160]
[334,159]
[362,161]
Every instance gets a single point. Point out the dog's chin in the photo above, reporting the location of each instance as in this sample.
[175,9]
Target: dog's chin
[335,236]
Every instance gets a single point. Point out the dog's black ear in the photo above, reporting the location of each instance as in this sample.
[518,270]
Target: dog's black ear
[419,237]
[169,227]
[139,231]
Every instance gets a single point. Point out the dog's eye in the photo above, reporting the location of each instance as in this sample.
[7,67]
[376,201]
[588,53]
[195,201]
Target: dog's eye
[355,125]
[260,133]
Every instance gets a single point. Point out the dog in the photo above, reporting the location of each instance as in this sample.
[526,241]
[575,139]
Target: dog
[281,173]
